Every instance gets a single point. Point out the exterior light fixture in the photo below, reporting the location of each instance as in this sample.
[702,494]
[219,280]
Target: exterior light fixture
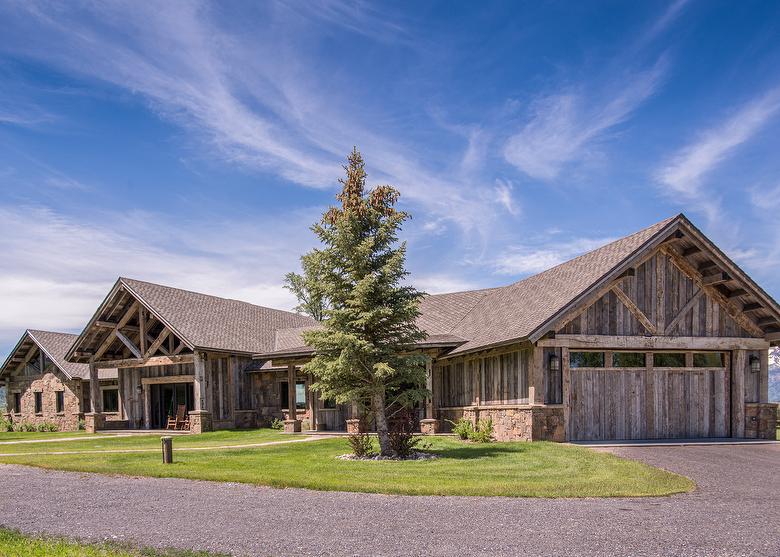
[555,363]
[755,364]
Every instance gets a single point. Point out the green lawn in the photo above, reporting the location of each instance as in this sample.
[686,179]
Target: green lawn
[19,545]
[152,441]
[33,435]
[506,469]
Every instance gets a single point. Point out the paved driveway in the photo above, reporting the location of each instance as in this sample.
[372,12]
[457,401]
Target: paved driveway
[735,512]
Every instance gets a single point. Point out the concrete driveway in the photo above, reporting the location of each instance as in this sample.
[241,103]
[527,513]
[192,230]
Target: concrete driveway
[735,511]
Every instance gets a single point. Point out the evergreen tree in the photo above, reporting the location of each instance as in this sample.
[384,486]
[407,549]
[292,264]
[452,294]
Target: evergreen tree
[307,286]
[364,349]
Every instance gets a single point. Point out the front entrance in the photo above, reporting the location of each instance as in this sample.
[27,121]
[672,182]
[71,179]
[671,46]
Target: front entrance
[166,398]
[649,396]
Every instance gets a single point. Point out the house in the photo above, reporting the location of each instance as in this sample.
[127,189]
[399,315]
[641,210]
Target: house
[174,347]
[43,387]
[657,335]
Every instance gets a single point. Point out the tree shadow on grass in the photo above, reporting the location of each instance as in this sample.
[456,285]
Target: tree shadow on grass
[474,451]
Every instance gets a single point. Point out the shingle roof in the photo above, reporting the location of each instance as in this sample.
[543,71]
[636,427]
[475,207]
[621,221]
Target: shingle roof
[56,346]
[476,319]
[215,323]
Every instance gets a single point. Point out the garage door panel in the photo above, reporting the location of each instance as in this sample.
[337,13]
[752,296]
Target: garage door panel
[644,403]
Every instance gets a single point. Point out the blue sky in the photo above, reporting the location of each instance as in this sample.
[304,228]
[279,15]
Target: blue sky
[193,143]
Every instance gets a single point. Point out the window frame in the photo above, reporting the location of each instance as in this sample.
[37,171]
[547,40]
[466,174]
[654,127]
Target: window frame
[284,395]
[670,353]
[17,402]
[103,391]
[722,355]
[59,402]
[616,353]
[603,359]
[38,402]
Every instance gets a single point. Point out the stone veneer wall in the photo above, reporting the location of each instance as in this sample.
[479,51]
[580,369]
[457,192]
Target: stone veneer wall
[47,384]
[521,423]
[760,420]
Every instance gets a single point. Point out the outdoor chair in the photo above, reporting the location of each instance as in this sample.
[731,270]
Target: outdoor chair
[180,420]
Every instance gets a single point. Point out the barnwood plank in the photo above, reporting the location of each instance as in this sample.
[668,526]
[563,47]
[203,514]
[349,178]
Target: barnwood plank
[129,343]
[738,394]
[632,307]
[158,342]
[655,342]
[681,314]
[567,402]
[112,334]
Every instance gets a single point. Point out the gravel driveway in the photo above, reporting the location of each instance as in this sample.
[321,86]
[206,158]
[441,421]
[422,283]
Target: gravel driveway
[736,511]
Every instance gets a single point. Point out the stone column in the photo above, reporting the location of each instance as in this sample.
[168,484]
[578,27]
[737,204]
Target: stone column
[93,420]
[429,425]
[292,424]
[200,417]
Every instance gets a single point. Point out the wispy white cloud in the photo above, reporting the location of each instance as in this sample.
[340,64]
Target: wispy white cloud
[683,174]
[528,259]
[563,126]
[57,269]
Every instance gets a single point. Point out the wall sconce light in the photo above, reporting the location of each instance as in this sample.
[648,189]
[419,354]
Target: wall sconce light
[755,364]
[555,363]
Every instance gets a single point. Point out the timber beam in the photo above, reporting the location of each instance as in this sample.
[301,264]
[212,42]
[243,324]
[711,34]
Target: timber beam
[691,251]
[737,292]
[146,362]
[590,342]
[718,278]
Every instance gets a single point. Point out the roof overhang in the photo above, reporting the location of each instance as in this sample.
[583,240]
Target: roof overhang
[19,345]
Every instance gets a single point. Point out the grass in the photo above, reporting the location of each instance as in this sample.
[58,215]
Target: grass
[19,545]
[496,469]
[34,435]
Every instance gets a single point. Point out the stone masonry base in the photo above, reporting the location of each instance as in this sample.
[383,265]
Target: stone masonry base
[528,423]
[292,426]
[200,421]
[760,420]
[94,422]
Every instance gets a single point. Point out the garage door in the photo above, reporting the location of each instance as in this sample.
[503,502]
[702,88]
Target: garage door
[669,398]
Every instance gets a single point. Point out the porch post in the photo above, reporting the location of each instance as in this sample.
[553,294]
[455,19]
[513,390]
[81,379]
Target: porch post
[147,406]
[200,418]
[94,419]
[313,406]
[291,424]
[739,362]
[430,424]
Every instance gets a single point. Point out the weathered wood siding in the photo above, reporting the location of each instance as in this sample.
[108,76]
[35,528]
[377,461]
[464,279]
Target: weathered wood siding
[666,296]
[492,379]
[553,380]
[657,403]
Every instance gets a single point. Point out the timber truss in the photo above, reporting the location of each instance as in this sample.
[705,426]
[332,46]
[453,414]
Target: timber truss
[125,332]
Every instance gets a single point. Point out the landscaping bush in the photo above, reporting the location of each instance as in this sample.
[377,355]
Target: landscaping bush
[276,423]
[24,427]
[463,428]
[483,433]
[46,427]
[404,444]
[82,425]
[361,444]
[6,424]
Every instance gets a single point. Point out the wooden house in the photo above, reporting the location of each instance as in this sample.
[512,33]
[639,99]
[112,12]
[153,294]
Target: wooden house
[658,335]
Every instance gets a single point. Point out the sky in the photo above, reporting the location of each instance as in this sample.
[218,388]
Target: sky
[193,143]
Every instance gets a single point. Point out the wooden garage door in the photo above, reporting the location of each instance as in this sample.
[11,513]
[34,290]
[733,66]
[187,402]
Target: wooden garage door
[649,403]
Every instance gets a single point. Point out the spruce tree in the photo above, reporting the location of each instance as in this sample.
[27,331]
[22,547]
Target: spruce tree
[364,351]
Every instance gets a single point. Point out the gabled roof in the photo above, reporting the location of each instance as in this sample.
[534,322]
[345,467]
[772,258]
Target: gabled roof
[202,321]
[55,346]
[527,309]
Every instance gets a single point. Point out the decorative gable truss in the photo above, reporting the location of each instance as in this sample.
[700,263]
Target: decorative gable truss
[126,333]
[29,360]
[677,290]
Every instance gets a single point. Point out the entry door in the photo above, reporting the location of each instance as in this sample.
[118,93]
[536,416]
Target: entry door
[655,403]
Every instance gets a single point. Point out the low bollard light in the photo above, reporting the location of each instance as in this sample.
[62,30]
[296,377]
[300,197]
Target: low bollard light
[167,449]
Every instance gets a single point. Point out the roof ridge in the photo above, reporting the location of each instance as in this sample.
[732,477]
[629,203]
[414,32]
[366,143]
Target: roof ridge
[122,279]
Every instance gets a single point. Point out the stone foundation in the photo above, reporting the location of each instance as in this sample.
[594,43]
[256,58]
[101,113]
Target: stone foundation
[245,419]
[292,426]
[48,385]
[429,426]
[355,426]
[200,421]
[760,420]
[94,422]
[521,423]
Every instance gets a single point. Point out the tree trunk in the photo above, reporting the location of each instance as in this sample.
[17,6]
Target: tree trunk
[380,419]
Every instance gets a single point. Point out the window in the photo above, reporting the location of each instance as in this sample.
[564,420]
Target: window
[709,359]
[586,359]
[669,359]
[17,403]
[300,395]
[110,400]
[628,359]
[38,402]
[60,401]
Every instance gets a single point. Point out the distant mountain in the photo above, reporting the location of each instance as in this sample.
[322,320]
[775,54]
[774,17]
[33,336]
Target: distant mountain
[774,375]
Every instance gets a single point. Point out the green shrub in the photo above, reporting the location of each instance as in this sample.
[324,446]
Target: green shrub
[82,425]
[276,423]
[6,424]
[361,444]
[483,433]
[24,427]
[463,428]
[46,427]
